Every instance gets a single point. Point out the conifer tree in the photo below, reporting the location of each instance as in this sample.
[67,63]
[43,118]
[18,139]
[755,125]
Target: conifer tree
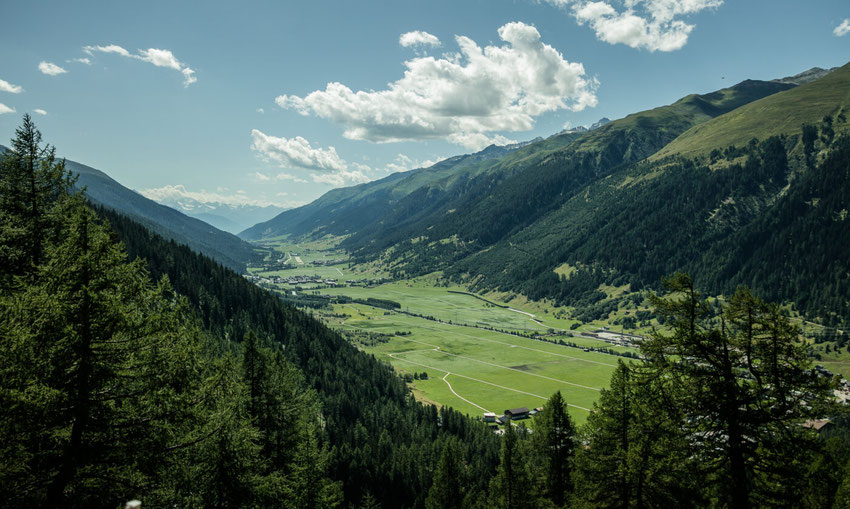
[742,384]
[552,447]
[101,372]
[447,490]
[32,183]
[636,455]
[512,484]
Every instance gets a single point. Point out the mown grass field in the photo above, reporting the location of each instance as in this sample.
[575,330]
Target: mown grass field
[487,370]
[470,367]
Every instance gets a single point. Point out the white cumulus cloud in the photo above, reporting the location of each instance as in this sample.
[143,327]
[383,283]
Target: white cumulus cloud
[39,111]
[341,178]
[460,96]
[654,25]
[6,109]
[111,48]
[289,177]
[158,57]
[5,86]
[418,37]
[405,163]
[296,153]
[326,165]
[842,29]
[479,141]
[50,68]
[280,177]
[86,61]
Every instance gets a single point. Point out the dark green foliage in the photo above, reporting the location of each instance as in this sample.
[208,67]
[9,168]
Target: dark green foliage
[727,226]
[380,440]
[449,487]
[512,484]
[103,379]
[741,384]
[32,185]
[552,448]
[636,452]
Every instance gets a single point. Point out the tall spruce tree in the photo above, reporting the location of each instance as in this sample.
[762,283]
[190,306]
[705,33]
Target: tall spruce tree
[512,484]
[102,372]
[636,454]
[32,183]
[743,384]
[552,449]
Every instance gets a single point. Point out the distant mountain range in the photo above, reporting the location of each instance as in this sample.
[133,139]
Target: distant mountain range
[201,237]
[229,217]
[687,186]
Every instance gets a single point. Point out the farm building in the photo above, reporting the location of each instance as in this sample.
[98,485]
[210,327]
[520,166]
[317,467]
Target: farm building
[517,413]
[489,417]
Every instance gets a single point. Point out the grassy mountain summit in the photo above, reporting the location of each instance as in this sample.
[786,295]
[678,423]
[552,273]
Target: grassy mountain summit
[783,113]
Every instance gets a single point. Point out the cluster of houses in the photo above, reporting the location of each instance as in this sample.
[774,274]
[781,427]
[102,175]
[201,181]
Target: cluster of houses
[291,280]
[310,280]
[306,280]
[512,414]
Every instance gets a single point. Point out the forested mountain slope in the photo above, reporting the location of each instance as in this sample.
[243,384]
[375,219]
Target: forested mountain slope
[224,247]
[496,205]
[382,213]
[346,210]
[381,441]
[768,214]
[601,206]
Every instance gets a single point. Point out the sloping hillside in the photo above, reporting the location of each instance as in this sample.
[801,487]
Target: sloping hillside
[497,204]
[351,209]
[481,198]
[226,248]
[223,247]
[782,113]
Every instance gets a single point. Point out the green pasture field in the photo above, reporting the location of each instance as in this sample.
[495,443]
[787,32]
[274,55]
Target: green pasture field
[470,368]
[486,369]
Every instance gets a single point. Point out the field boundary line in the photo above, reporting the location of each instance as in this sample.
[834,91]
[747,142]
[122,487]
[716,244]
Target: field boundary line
[438,350]
[519,346]
[458,395]
[482,381]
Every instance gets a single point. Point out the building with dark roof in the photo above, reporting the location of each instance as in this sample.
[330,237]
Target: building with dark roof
[517,413]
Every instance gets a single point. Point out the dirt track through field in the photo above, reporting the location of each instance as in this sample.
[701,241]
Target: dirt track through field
[437,349]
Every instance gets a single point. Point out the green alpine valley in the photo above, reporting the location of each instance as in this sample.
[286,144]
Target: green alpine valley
[424,312]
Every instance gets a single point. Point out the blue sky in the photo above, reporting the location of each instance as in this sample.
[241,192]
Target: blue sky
[232,101]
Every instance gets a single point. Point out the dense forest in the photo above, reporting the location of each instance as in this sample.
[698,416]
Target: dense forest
[133,367]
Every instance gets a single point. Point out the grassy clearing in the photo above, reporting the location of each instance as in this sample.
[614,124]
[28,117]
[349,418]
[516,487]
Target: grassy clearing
[456,338]
[486,368]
